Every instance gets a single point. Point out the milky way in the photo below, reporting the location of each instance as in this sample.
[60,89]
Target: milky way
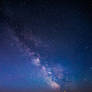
[35,58]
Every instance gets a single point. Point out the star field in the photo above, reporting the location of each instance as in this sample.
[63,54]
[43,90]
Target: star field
[46,45]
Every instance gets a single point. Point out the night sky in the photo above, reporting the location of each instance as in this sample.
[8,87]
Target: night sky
[45,45]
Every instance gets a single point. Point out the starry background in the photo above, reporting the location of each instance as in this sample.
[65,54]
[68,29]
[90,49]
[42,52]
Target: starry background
[42,42]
